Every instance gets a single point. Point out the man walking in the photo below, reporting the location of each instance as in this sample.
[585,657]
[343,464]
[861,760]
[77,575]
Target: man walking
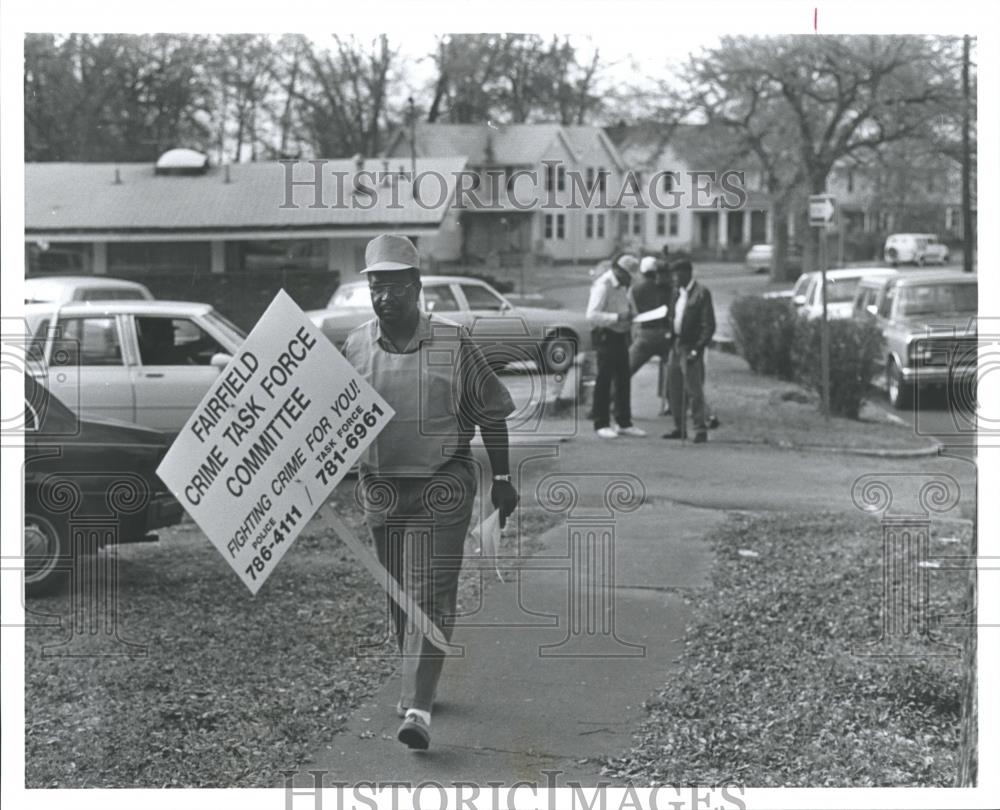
[652,338]
[417,480]
[610,312]
[693,319]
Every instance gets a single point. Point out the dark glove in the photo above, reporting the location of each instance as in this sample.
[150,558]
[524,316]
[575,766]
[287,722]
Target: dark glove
[504,498]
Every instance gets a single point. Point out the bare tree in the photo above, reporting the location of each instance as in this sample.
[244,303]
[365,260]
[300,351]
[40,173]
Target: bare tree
[798,105]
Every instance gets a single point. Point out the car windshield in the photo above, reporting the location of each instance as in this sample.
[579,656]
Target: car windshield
[936,299]
[226,326]
[355,296]
[841,290]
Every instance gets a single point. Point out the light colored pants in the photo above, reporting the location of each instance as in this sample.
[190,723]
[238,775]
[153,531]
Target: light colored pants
[418,527]
[686,386]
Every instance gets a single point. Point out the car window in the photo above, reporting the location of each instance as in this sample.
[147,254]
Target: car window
[800,286]
[36,349]
[174,342]
[87,342]
[356,296]
[887,303]
[932,299]
[481,298]
[226,326]
[108,294]
[440,298]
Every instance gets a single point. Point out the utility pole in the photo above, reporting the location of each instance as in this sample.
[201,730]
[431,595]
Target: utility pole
[967,231]
[413,145]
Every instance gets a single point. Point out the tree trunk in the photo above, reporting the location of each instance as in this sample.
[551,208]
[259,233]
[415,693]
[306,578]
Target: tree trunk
[968,237]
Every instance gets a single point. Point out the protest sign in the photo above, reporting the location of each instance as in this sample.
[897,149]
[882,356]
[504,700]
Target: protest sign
[286,420]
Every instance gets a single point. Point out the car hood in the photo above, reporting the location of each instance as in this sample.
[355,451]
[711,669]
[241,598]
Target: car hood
[961,323]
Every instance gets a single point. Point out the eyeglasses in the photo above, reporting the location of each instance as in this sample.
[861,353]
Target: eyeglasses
[392,290]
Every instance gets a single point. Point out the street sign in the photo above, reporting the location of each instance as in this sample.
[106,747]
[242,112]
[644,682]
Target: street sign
[284,423]
[822,209]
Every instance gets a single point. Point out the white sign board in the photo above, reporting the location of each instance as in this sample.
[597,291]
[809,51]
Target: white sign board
[822,209]
[282,425]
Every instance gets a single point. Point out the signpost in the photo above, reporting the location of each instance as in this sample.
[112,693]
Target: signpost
[822,212]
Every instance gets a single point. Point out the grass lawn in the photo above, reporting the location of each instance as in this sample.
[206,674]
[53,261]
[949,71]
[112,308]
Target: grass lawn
[233,688]
[765,410]
[768,692]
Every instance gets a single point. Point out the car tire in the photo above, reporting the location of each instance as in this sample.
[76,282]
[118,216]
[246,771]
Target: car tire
[893,256]
[558,352]
[899,391]
[920,261]
[46,554]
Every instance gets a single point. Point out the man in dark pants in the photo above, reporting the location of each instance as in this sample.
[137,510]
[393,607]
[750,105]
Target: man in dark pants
[693,319]
[417,480]
[652,338]
[610,312]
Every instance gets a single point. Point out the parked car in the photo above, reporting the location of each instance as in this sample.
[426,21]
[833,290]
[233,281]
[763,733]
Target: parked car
[78,469]
[147,362]
[758,258]
[63,289]
[504,332]
[928,321]
[841,286]
[915,248]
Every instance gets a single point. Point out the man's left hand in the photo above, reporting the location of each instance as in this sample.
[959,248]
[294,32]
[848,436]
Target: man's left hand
[505,499]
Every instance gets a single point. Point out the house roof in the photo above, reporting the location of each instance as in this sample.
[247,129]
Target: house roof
[86,197]
[506,144]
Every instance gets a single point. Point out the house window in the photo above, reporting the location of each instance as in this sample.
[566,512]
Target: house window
[636,224]
[850,180]
[623,224]
[588,226]
[600,226]
[930,181]
[673,223]
[661,224]
[555,226]
[555,177]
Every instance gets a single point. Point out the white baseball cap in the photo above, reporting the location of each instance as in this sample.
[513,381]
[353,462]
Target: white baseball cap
[648,265]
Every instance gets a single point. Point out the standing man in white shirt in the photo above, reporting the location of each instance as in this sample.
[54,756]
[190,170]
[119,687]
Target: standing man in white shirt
[610,311]
[693,319]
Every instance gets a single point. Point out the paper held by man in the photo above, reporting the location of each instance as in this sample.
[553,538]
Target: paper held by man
[651,315]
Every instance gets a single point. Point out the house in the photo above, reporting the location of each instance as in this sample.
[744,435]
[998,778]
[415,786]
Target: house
[530,191]
[708,211]
[185,217]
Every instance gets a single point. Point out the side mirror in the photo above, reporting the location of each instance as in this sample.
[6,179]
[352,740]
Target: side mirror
[872,310]
[220,360]
[506,306]
[799,300]
[430,305]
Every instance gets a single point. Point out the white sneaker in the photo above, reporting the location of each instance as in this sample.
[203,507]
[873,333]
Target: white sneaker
[607,433]
[632,430]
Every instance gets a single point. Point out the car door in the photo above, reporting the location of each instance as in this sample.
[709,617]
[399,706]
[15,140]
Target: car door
[174,368]
[441,299]
[87,366]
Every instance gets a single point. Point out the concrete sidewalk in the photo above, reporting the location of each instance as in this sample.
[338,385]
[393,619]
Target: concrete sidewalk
[558,661]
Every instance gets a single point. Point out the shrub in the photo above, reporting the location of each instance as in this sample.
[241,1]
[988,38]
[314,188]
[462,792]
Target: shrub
[855,352]
[764,329]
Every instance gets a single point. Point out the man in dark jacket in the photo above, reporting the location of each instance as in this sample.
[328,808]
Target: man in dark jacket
[693,320]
